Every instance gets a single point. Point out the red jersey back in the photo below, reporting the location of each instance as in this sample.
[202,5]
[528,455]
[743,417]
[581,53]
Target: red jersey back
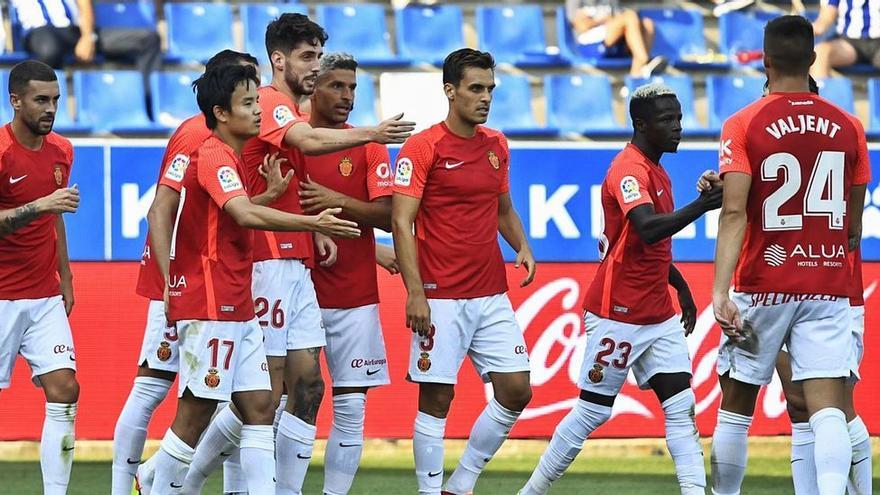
[803,154]
[631,284]
[279,115]
[28,256]
[188,136]
[211,264]
[458,181]
[363,173]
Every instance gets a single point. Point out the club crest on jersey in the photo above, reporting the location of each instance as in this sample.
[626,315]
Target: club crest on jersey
[494,160]
[58,176]
[424,362]
[212,379]
[629,186]
[229,180]
[177,167]
[345,166]
[403,175]
[282,115]
[164,351]
[597,374]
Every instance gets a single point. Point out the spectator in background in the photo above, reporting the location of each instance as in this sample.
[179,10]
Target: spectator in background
[55,29]
[602,28]
[856,38]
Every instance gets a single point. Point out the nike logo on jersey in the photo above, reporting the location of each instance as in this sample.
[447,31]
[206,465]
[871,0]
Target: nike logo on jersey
[300,456]
[453,165]
[347,445]
[660,192]
[132,462]
[373,372]
[175,485]
[434,475]
[13,180]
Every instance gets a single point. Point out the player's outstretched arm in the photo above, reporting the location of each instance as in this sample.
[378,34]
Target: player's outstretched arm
[511,228]
[731,231]
[387,259]
[685,299]
[403,215]
[314,197]
[252,216]
[856,207]
[64,200]
[65,276]
[160,221]
[317,141]
[653,227]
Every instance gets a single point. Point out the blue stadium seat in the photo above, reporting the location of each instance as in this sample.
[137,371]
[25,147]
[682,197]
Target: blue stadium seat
[838,90]
[512,108]
[254,19]
[742,32]
[5,106]
[131,14]
[568,47]
[515,34]
[581,104]
[429,33]
[64,122]
[679,35]
[684,89]
[728,94]
[360,30]
[173,98]
[100,94]
[17,54]
[874,105]
[364,111]
[196,31]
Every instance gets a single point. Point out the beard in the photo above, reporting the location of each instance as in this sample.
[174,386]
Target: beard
[37,127]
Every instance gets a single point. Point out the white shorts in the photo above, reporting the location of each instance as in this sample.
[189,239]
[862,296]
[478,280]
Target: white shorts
[858,340]
[221,358]
[38,330]
[287,306]
[613,347]
[817,333]
[355,347]
[159,349]
[483,328]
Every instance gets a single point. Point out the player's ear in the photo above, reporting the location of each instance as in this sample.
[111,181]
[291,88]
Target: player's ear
[449,89]
[277,60]
[812,58]
[220,114]
[15,101]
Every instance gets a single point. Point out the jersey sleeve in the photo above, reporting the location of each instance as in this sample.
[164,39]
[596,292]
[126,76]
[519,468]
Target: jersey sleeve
[378,171]
[278,116]
[413,165]
[629,185]
[218,175]
[862,172]
[68,155]
[732,156]
[504,185]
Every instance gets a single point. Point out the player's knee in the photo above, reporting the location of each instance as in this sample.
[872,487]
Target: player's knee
[435,400]
[62,391]
[796,407]
[260,411]
[515,398]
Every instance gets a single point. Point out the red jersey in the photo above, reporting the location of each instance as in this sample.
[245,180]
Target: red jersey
[210,273]
[188,136]
[803,155]
[458,181]
[279,115]
[857,298]
[28,256]
[362,173]
[631,284]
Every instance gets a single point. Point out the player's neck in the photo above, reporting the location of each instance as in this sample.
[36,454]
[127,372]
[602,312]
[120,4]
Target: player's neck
[789,84]
[231,140]
[25,137]
[281,85]
[647,149]
[318,121]
[459,127]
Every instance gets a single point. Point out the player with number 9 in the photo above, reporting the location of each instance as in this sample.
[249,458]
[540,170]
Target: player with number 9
[794,169]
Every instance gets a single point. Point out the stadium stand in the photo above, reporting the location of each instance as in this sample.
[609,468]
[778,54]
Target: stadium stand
[684,88]
[427,34]
[131,14]
[98,96]
[174,100]
[512,108]
[874,105]
[364,112]
[5,108]
[64,121]
[568,48]
[254,19]
[581,104]
[838,90]
[678,35]
[728,94]
[743,33]
[515,34]
[361,30]
[196,31]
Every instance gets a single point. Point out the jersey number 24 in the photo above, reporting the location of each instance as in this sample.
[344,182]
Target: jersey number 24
[824,195]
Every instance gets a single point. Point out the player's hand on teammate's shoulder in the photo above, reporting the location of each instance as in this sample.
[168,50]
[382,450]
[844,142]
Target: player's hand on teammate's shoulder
[328,224]
[314,197]
[327,250]
[688,311]
[525,258]
[63,200]
[387,258]
[270,170]
[393,130]
[418,314]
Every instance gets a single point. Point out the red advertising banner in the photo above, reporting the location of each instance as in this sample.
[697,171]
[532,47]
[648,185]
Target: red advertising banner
[108,322]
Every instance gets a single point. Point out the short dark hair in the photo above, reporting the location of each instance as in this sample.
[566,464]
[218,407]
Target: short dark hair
[788,42]
[229,57]
[642,103]
[459,60]
[27,71]
[215,88]
[289,30]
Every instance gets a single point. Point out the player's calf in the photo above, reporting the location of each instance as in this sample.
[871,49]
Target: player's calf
[257,439]
[296,427]
[683,442]
[345,444]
